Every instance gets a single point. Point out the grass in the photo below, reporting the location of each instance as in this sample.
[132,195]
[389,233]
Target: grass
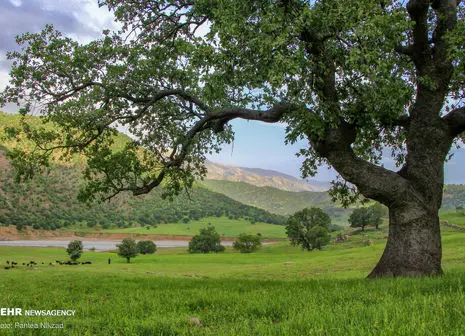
[225,227]
[281,290]
[453,217]
[232,228]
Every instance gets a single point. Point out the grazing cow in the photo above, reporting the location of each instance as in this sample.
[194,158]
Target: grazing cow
[14,263]
[70,262]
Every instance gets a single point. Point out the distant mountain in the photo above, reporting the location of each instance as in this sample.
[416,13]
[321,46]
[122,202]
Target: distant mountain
[262,178]
[274,200]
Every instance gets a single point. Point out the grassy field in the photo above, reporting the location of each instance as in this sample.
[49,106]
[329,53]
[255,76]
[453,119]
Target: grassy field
[453,217]
[224,226]
[281,290]
[232,228]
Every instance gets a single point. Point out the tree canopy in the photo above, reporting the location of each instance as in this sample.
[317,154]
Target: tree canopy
[128,249]
[208,240]
[146,247]
[309,228]
[247,243]
[351,77]
[75,249]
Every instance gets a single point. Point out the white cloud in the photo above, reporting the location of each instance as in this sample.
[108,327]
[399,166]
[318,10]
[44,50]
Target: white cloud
[16,3]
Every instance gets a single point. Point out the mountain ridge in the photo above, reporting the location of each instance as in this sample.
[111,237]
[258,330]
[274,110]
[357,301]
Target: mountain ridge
[262,178]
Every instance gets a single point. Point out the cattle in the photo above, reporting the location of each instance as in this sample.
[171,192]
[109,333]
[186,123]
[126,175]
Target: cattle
[70,262]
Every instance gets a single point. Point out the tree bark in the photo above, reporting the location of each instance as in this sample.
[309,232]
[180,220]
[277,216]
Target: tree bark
[414,243]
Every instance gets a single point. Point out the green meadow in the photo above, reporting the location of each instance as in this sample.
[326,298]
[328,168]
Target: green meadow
[280,290]
[224,226]
[453,217]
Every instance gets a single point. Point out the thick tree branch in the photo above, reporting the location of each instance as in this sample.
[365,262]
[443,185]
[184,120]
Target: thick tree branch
[456,121]
[372,181]
[405,50]
[335,145]
[446,12]
[214,121]
[421,51]
[401,121]
[166,93]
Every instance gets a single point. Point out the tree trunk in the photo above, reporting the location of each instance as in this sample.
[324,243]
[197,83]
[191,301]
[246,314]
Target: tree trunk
[128,260]
[414,243]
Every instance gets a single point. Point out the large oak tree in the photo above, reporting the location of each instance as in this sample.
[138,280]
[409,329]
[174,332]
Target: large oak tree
[353,77]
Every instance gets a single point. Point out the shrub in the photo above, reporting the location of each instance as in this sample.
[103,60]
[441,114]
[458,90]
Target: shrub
[247,243]
[128,249]
[146,247]
[208,240]
[318,237]
[75,249]
[309,228]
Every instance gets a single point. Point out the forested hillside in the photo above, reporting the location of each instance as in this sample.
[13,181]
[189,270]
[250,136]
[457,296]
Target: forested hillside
[276,201]
[454,197]
[49,201]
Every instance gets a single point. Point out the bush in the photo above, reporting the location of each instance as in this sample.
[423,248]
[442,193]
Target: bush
[75,249]
[247,243]
[128,249]
[309,228]
[146,247]
[318,237]
[208,240]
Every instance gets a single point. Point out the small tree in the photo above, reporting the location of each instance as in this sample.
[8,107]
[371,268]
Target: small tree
[299,228]
[208,240]
[128,249]
[360,218]
[372,215]
[247,243]
[319,237]
[75,249]
[146,247]
[377,212]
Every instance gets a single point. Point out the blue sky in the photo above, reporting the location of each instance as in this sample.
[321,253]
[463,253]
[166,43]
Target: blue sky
[262,145]
[256,144]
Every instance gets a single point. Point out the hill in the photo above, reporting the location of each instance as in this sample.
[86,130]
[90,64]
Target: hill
[49,201]
[278,201]
[262,178]
[454,197]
